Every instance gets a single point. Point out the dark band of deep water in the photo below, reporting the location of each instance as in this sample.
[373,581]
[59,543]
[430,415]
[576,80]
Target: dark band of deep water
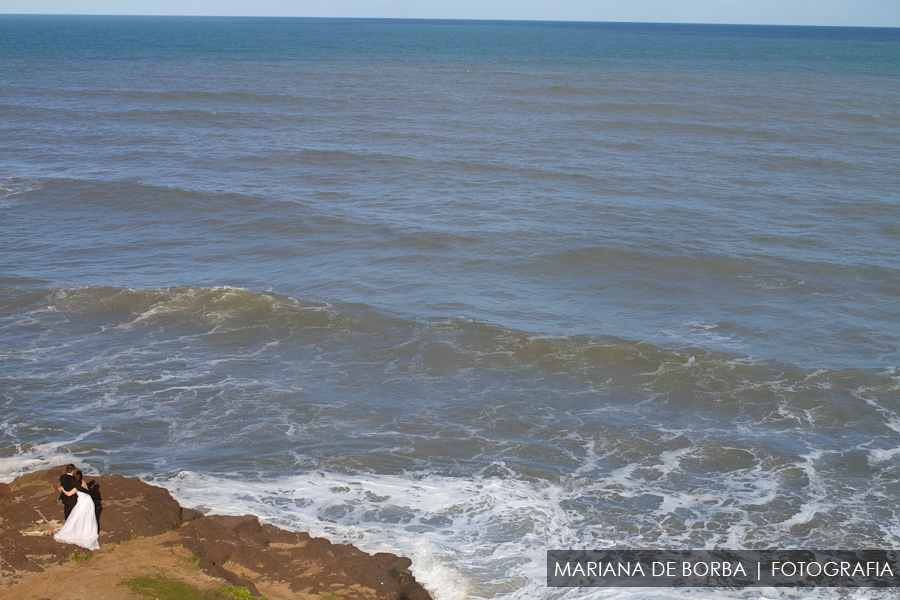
[723,568]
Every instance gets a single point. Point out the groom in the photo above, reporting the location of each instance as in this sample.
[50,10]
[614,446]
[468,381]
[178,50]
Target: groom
[67,482]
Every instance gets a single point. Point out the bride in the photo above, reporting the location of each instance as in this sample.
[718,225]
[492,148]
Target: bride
[81,526]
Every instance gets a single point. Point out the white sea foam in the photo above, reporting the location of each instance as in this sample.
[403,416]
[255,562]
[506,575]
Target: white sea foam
[468,538]
[464,536]
[12,186]
[703,334]
[33,457]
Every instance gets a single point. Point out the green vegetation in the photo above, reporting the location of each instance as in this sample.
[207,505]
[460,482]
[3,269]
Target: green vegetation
[161,588]
[164,589]
[191,560]
[80,558]
[238,593]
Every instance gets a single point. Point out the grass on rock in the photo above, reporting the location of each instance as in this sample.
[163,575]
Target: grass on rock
[172,589]
[238,593]
[164,589]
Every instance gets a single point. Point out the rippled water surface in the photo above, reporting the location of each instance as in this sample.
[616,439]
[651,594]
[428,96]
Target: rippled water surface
[465,291]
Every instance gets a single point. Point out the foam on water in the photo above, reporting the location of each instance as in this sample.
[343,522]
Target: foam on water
[13,186]
[28,457]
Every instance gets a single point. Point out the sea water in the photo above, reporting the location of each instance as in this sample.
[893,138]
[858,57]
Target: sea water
[462,291]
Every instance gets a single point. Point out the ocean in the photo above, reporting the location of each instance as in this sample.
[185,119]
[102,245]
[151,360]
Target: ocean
[463,291]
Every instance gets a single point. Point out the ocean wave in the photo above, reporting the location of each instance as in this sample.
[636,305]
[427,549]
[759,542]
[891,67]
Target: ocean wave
[437,348]
[132,196]
[14,186]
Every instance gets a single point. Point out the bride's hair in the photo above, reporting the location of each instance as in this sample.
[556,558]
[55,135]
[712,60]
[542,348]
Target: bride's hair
[78,476]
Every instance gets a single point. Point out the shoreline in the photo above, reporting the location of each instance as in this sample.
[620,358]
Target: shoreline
[145,535]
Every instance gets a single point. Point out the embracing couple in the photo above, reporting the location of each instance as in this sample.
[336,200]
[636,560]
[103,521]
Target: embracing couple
[81,518]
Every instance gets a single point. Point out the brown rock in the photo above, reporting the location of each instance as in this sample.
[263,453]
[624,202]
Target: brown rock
[30,513]
[231,547]
[189,514]
[14,558]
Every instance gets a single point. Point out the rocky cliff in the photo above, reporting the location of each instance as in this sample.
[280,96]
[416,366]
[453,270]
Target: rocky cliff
[266,560]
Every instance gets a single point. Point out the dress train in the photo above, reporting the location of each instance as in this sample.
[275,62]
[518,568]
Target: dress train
[81,526]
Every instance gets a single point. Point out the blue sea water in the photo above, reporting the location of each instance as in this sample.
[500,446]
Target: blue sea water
[465,291]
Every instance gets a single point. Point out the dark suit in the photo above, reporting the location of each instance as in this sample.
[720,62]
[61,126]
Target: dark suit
[68,482]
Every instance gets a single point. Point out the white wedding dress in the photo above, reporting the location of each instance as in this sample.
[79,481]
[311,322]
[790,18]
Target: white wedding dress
[81,526]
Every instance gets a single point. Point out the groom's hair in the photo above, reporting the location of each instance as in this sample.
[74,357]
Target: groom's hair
[70,468]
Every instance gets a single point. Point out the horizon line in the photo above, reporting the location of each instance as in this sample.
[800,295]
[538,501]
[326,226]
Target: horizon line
[443,20]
